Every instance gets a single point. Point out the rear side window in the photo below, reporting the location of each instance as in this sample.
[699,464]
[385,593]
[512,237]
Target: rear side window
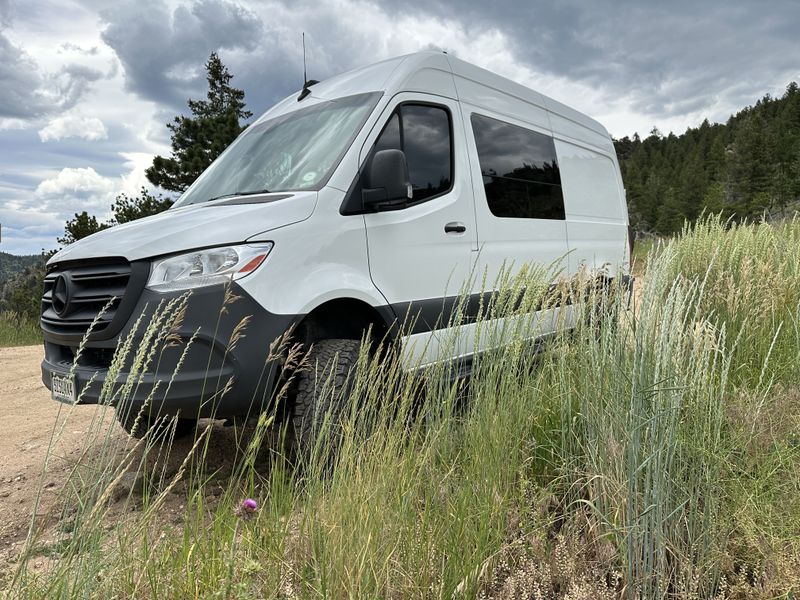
[423,133]
[520,170]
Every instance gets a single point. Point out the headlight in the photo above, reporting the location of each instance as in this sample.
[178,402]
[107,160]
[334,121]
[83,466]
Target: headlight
[206,267]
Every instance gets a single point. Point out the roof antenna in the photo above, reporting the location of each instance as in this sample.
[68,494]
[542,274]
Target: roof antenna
[307,83]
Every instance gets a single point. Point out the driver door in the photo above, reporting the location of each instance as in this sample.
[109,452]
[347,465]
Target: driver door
[421,254]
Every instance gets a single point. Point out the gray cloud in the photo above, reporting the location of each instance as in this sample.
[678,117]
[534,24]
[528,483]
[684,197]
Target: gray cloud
[5,13]
[25,91]
[19,82]
[75,81]
[37,195]
[70,47]
[163,52]
[665,58]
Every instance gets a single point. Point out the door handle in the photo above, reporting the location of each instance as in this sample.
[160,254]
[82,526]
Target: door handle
[455,227]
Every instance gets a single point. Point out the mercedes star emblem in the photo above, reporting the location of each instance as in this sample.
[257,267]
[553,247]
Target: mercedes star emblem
[61,295]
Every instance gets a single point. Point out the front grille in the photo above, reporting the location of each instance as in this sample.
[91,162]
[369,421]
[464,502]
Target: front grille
[86,292]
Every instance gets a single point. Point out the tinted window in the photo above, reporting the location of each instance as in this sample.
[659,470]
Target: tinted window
[390,136]
[423,133]
[520,170]
[426,143]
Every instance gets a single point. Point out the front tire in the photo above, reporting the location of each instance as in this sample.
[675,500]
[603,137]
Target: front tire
[323,391]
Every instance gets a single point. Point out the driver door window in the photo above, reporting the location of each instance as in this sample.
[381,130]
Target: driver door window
[423,133]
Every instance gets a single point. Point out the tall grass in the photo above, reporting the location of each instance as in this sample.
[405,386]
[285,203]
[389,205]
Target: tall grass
[18,330]
[645,453]
[750,273]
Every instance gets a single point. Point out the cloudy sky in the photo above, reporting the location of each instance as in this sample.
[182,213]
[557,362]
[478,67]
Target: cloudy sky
[86,86]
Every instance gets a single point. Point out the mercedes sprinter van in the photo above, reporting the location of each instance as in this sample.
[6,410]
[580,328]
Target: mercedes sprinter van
[346,207]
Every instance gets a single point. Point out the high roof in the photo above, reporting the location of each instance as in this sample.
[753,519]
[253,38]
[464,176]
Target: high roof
[445,75]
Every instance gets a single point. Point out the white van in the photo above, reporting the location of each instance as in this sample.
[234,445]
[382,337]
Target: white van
[366,198]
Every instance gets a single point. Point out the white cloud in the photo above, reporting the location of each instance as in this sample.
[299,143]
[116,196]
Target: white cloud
[74,126]
[32,222]
[8,124]
[75,182]
[135,179]
[77,189]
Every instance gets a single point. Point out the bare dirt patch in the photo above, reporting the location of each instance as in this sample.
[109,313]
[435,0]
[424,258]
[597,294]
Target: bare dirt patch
[26,428]
[29,419]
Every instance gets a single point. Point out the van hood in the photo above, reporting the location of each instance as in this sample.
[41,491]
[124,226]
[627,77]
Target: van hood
[226,221]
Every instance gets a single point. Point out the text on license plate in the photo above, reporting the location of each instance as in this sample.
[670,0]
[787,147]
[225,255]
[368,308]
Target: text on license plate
[63,388]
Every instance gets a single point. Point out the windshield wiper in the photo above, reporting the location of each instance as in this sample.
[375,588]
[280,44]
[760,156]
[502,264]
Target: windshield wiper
[234,194]
[252,192]
[220,197]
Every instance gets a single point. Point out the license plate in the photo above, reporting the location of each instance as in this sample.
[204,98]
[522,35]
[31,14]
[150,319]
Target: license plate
[62,388]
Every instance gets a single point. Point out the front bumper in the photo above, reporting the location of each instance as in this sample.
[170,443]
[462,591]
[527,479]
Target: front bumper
[188,373]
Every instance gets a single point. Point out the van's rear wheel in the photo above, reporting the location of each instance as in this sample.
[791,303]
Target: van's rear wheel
[322,393]
[138,428]
[605,313]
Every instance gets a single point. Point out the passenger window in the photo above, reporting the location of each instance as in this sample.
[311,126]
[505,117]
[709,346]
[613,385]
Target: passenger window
[423,133]
[520,170]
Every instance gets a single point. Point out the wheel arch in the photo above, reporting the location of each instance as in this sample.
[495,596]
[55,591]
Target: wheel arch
[346,318]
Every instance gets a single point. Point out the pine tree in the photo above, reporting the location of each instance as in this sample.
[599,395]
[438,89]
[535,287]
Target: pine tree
[744,168]
[81,226]
[129,208]
[199,139]
[125,208]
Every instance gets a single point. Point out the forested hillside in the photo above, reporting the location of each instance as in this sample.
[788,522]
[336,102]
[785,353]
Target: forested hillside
[10,265]
[744,168]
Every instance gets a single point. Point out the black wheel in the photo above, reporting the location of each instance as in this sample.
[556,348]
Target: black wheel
[145,424]
[600,310]
[322,391]
[603,313]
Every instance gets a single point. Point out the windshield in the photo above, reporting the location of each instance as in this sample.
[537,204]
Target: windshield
[295,151]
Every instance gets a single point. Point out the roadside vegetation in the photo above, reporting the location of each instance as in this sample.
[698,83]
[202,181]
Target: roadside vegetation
[20,299]
[18,330]
[650,453]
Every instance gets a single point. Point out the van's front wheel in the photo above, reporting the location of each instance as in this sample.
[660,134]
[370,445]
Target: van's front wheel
[322,393]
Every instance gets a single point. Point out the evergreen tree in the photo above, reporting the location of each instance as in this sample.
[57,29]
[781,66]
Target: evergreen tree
[197,140]
[81,226]
[126,208]
[22,294]
[745,168]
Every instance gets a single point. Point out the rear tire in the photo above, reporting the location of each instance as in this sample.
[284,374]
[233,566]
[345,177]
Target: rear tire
[322,392]
[604,310]
[147,424]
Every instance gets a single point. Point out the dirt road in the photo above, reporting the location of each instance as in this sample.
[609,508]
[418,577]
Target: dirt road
[27,420]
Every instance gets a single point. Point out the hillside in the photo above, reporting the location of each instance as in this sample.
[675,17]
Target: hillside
[11,264]
[744,167]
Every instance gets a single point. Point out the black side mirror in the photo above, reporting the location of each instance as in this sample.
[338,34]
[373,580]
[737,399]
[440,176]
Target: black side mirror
[388,181]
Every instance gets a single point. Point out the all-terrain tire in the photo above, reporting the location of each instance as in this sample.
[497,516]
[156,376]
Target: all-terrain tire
[146,424]
[323,391]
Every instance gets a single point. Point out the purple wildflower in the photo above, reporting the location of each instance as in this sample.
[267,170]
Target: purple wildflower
[247,509]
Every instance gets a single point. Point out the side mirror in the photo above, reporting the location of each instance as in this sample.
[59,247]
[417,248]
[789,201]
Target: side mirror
[387,180]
